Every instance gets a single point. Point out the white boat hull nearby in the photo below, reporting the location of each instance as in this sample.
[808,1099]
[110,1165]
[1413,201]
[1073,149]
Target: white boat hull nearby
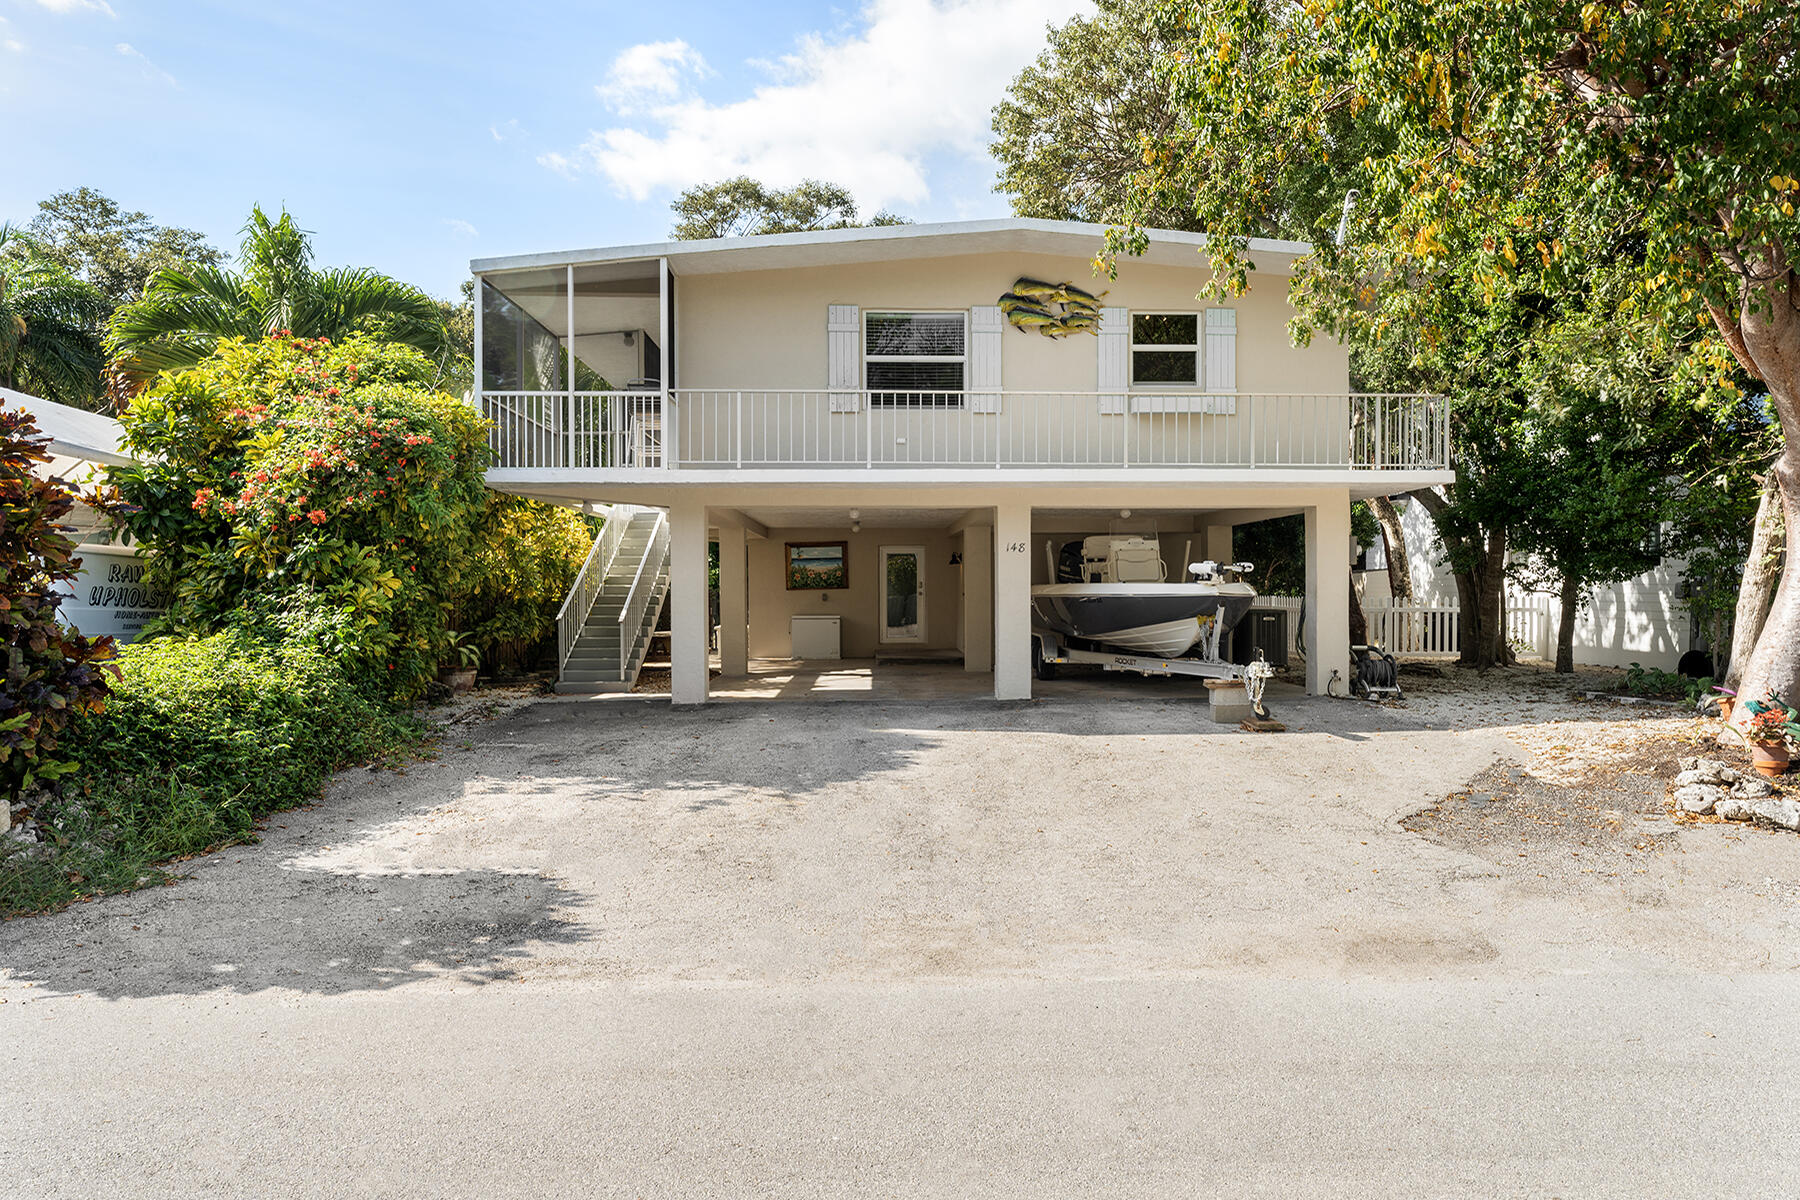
[1161,619]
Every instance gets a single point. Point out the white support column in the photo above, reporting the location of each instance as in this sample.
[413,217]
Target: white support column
[734,601]
[687,601]
[978,598]
[1012,601]
[475,390]
[1328,594]
[1216,544]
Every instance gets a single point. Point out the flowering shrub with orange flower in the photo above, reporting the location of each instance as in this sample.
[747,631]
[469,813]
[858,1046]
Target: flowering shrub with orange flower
[310,485]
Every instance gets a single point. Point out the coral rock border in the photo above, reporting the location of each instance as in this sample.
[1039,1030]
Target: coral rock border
[1707,787]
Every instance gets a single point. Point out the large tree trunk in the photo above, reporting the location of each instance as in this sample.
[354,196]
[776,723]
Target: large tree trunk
[1400,586]
[1565,629]
[1489,648]
[1762,570]
[1770,326]
[1359,620]
[1480,589]
[1393,541]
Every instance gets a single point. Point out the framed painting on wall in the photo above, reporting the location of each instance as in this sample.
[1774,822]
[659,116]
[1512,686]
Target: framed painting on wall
[817,566]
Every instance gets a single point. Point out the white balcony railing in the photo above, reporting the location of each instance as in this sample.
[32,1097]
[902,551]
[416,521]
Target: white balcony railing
[716,429]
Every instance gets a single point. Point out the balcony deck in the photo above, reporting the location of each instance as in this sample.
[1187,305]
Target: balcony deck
[631,435]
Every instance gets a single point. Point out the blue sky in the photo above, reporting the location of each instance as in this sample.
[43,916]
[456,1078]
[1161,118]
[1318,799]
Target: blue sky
[413,137]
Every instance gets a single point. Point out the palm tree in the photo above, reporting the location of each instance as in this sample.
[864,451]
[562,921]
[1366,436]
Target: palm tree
[185,311]
[49,326]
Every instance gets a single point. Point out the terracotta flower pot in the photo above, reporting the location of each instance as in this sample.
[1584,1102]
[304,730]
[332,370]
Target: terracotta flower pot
[1769,760]
[1725,706]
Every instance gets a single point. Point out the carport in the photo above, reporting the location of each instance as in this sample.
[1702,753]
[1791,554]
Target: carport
[874,598]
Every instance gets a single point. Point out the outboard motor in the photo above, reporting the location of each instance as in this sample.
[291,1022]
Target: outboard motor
[1374,673]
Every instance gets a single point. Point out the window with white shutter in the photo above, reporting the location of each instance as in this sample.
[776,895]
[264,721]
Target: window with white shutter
[843,366]
[1221,350]
[986,323]
[915,359]
[1114,358]
[1179,360]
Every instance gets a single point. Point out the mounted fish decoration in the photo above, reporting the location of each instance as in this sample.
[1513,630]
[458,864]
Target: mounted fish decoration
[1053,309]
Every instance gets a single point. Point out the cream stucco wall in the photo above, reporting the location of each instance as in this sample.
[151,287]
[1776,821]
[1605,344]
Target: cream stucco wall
[752,367]
[771,603]
[766,329]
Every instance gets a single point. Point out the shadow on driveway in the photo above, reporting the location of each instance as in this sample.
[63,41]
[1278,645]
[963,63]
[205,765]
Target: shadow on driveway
[244,924]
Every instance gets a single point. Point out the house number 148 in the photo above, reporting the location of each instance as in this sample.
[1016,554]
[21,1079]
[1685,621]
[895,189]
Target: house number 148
[1015,547]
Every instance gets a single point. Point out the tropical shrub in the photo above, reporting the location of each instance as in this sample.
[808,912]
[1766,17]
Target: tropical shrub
[51,673]
[1655,683]
[309,483]
[200,737]
[525,560]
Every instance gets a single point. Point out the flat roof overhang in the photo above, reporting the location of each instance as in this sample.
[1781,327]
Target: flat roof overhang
[825,247]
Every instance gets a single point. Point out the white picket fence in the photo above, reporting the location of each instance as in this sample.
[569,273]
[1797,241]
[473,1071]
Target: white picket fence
[1431,629]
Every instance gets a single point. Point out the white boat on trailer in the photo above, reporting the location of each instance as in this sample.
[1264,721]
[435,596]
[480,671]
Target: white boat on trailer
[1111,591]
[1112,609]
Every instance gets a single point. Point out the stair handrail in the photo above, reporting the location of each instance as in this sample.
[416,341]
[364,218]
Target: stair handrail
[637,599]
[573,615]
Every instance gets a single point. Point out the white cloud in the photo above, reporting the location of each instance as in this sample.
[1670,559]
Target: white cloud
[460,227]
[562,164]
[506,130]
[151,70]
[75,6]
[650,73]
[913,79]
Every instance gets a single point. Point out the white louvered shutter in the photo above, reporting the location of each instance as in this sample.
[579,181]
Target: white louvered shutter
[843,357]
[986,324]
[1115,359]
[1221,350]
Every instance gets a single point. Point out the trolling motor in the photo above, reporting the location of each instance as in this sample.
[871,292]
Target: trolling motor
[1374,673]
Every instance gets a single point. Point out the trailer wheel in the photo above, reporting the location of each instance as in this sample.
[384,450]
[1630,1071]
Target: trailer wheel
[1043,667]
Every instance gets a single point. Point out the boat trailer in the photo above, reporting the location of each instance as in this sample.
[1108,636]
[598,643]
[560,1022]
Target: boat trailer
[1053,649]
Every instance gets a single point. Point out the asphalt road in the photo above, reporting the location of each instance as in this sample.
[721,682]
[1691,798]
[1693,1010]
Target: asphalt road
[1064,948]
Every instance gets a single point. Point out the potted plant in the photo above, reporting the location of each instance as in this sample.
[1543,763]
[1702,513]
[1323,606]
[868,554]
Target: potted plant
[1727,698]
[1773,726]
[459,675]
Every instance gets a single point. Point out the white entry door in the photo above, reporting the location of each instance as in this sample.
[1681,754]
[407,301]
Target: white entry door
[902,593]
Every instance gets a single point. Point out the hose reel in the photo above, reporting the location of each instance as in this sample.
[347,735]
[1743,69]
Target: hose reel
[1374,673]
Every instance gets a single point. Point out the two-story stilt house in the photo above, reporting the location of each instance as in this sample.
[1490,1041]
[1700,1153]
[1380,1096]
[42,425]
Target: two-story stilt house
[883,429]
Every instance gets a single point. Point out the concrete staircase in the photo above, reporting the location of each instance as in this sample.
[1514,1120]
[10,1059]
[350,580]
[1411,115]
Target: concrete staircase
[604,651]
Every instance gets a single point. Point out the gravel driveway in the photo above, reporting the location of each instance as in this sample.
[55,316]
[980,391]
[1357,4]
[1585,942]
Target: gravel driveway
[946,948]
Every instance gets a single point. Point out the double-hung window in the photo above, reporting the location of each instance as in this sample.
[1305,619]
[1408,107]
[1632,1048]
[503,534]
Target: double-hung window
[1165,349]
[1175,355]
[915,359]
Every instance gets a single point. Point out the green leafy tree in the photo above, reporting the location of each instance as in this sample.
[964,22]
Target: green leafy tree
[743,207]
[1593,502]
[52,672]
[316,487]
[185,312]
[1521,146]
[87,234]
[1071,131]
[49,326]
[525,560]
